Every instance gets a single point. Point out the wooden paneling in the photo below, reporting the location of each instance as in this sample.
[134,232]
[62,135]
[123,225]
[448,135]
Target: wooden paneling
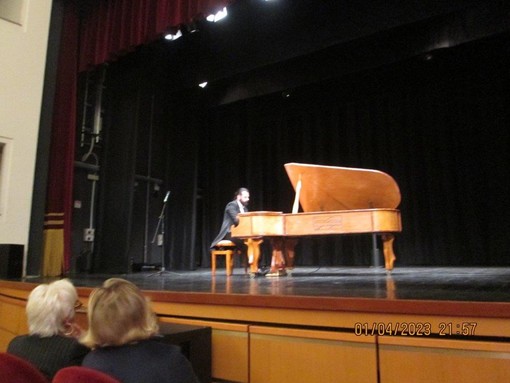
[12,320]
[437,360]
[290,355]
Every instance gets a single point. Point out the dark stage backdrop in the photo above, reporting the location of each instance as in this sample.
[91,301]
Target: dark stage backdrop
[437,124]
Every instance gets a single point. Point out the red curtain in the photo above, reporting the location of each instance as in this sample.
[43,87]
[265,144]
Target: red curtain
[57,224]
[113,27]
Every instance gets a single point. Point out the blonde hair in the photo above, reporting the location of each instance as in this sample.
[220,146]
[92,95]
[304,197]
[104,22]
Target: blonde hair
[50,306]
[118,313]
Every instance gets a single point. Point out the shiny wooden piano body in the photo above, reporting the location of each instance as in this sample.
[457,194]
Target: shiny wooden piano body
[335,200]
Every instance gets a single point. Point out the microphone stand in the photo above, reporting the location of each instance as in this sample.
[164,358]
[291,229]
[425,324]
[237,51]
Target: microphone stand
[161,223]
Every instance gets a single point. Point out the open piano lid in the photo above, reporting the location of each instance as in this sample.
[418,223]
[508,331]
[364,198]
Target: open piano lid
[331,188]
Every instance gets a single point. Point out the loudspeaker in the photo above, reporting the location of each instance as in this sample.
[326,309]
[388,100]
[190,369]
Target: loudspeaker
[11,261]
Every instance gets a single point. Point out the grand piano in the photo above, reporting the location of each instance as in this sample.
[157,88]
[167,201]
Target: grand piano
[334,200]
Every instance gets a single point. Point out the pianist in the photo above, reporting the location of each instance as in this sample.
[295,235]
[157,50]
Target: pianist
[238,205]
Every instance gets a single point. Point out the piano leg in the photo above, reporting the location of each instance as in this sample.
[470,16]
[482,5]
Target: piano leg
[253,253]
[389,255]
[277,259]
[290,244]
[283,256]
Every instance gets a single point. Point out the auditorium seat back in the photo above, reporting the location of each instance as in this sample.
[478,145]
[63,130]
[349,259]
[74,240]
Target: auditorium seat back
[79,374]
[14,369]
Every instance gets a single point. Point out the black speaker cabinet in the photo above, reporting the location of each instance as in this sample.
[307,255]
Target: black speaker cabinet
[11,261]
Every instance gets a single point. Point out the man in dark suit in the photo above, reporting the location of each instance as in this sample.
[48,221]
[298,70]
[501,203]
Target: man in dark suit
[233,208]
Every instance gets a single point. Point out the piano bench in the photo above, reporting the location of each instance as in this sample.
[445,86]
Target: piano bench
[228,249]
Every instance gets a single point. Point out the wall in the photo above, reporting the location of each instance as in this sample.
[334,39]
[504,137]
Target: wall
[23,44]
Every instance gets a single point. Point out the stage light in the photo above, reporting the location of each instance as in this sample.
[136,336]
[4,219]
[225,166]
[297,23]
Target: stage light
[218,16]
[203,84]
[173,36]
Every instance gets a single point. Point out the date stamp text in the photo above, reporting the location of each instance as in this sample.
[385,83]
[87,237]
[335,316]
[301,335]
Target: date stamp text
[415,328]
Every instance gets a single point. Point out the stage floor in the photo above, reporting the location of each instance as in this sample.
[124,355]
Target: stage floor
[474,284]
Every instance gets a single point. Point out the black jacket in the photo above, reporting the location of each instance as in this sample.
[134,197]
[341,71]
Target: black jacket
[229,218]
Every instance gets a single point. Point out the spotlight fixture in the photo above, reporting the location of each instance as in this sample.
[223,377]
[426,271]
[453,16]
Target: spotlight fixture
[203,84]
[218,16]
[173,36]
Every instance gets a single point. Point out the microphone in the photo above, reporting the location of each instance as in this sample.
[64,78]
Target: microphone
[167,195]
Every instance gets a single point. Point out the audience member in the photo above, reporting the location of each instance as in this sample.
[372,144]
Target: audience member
[123,335]
[52,340]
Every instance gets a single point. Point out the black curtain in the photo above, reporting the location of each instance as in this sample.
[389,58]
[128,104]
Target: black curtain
[438,124]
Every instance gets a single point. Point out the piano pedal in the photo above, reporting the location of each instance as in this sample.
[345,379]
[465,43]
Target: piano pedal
[277,273]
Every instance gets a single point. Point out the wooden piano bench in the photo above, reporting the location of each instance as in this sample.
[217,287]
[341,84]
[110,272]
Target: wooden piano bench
[228,249]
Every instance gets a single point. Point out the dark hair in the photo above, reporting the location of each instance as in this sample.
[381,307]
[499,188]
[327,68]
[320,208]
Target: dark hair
[239,191]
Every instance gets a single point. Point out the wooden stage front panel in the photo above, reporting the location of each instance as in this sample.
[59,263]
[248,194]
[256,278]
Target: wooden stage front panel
[326,339]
